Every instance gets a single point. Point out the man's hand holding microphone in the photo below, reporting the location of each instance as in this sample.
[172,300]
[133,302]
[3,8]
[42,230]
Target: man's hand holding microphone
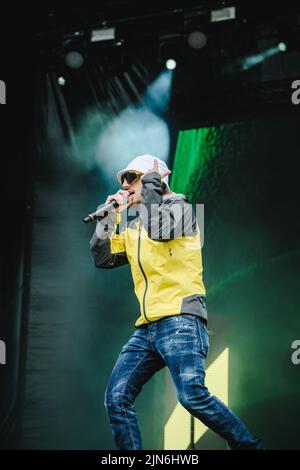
[118,201]
[123,197]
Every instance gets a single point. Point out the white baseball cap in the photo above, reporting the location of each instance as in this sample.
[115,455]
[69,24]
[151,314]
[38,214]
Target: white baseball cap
[143,163]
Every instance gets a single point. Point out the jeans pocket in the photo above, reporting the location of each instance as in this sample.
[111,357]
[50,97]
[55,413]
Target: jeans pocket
[204,337]
[189,321]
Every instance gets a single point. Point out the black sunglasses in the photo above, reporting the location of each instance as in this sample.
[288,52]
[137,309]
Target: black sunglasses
[130,176]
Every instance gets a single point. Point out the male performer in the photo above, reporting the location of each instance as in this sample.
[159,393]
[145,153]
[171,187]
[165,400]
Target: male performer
[162,246]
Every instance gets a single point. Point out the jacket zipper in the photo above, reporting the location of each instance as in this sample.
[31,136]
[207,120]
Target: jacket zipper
[140,265]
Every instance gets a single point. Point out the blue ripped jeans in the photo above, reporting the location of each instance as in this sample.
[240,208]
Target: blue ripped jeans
[181,343]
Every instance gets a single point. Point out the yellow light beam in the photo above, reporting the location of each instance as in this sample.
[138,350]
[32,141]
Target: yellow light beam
[177,430]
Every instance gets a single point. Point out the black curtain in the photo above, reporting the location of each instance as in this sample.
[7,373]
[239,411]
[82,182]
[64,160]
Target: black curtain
[17,70]
[79,317]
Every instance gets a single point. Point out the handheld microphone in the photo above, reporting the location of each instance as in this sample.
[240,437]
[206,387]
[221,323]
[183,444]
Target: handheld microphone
[100,213]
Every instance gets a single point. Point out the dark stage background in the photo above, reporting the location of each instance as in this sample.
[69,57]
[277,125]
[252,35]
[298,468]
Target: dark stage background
[233,146]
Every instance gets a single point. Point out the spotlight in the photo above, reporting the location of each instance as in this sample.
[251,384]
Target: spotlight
[74,50]
[170,53]
[74,59]
[282,46]
[61,81]
[171,64]
[222,14]
[197,40]
[103,34]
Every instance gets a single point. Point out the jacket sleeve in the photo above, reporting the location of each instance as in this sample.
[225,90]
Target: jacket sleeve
[107,245]
[165,220]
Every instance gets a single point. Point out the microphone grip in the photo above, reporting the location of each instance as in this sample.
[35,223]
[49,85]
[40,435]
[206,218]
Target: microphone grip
[100,213]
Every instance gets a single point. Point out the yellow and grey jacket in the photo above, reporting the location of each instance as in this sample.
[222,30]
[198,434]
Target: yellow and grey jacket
[162,246]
